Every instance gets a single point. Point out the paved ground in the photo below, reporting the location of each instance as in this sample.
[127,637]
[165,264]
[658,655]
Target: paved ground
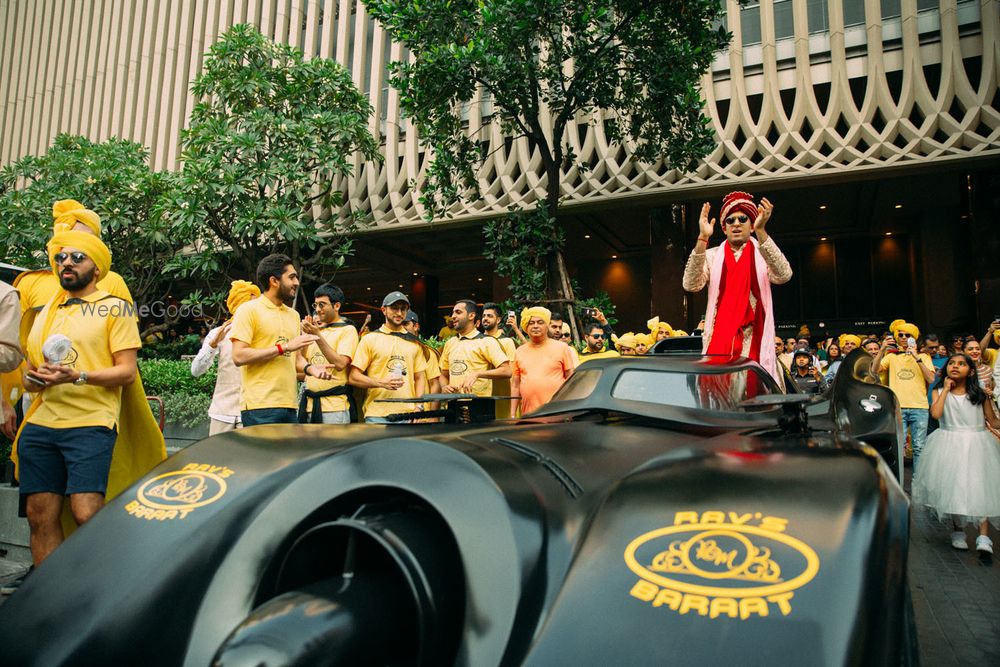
[956,595]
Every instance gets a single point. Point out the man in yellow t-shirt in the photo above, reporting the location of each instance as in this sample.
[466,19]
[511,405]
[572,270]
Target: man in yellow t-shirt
[81,351]
[595,339]
[265,337]
[471,360]
[333,350]
[390,363]
[492,319]
[909,373]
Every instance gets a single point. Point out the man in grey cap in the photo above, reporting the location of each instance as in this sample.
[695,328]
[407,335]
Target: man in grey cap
[390,363]
[412,323]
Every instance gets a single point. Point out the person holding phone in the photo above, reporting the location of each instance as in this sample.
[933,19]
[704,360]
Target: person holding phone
[909,373]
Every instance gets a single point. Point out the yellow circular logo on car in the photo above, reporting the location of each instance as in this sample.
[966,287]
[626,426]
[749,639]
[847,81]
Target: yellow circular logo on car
[173,495]
[719,564]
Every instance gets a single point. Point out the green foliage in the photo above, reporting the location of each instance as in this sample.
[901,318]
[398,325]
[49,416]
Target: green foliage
[600,300]
[171,349]
[544,63]
[113,179]
[519,245]
[269,136]
[185,409]
[185,398]
[541,65]
[164,376]
[434,342]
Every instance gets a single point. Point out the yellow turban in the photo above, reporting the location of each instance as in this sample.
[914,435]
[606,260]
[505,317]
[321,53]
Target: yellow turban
[645,339]
[67,212]
[625,340]
[906,328]
[90,245]
[535,311]
[655,324]
[678,333]
[894,325]
[241,292]
[845,338]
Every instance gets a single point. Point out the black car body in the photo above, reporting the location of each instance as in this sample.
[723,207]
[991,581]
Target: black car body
[642,517]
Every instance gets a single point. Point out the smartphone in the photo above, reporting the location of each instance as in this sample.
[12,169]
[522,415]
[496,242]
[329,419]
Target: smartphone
[510,314]
[588,312]
[911,343]
[32,378]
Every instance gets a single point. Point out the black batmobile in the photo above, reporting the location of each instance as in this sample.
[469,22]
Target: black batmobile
[670,509]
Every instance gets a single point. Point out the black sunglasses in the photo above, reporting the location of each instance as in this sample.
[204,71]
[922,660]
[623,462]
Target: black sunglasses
[600,335]
[736,218]
[75,257]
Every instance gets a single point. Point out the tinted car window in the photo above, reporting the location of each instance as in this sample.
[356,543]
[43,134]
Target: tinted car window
[579,385]
[721,391]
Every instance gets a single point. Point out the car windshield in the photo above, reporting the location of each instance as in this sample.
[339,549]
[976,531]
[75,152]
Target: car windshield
[714,391]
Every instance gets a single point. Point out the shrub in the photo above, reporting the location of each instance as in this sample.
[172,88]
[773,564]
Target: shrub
[185,398]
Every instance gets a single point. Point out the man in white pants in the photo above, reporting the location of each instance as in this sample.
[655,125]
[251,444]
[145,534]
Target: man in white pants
[224,412]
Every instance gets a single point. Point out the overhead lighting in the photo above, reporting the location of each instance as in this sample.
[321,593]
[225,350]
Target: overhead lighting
[888,233]
[586,236]
[414,273]
[822,238]
[822,207]
[400,287]
[614,256]
[479,279]
[899,206]
[369,289]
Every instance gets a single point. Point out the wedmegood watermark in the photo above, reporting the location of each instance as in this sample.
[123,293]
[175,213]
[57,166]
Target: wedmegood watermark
[158,309]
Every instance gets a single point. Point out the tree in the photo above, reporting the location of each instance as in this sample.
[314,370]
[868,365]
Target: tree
[269,136]
[113,179]
[544,64]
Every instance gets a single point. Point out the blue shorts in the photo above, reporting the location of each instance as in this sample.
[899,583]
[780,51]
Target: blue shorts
[65,460]
[269,416]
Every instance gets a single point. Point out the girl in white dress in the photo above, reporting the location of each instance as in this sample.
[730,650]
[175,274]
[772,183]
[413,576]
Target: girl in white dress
[960,464]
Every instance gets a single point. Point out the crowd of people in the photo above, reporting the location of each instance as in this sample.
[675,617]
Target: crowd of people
[81,385]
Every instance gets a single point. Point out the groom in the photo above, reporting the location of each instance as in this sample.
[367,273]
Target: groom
[739,318]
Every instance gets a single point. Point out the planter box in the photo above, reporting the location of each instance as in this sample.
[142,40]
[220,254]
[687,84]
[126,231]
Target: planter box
[178,436]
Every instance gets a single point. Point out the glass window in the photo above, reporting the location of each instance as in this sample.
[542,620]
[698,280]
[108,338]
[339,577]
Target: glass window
[750,24]
[854,12]
[720,391]
[817,16]
[579,385]
[784,24]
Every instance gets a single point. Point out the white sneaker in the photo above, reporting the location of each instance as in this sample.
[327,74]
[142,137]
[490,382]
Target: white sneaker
[959,542]
[984,544]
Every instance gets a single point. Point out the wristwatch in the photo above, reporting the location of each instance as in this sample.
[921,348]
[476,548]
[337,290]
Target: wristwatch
[82,380]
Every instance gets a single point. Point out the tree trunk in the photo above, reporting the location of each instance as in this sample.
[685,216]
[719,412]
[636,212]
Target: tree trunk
[559,285]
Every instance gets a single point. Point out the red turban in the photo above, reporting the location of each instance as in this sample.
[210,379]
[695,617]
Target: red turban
[738,202]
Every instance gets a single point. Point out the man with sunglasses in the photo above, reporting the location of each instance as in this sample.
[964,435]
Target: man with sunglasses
[595,339]
[81,351]
[739,319]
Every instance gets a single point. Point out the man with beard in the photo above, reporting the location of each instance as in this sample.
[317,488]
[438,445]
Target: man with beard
[492,319]
[266,336]
[541,365]
[739,273]
[471,360]
[334,350]
[81,351]
[595,339]
[390,363]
